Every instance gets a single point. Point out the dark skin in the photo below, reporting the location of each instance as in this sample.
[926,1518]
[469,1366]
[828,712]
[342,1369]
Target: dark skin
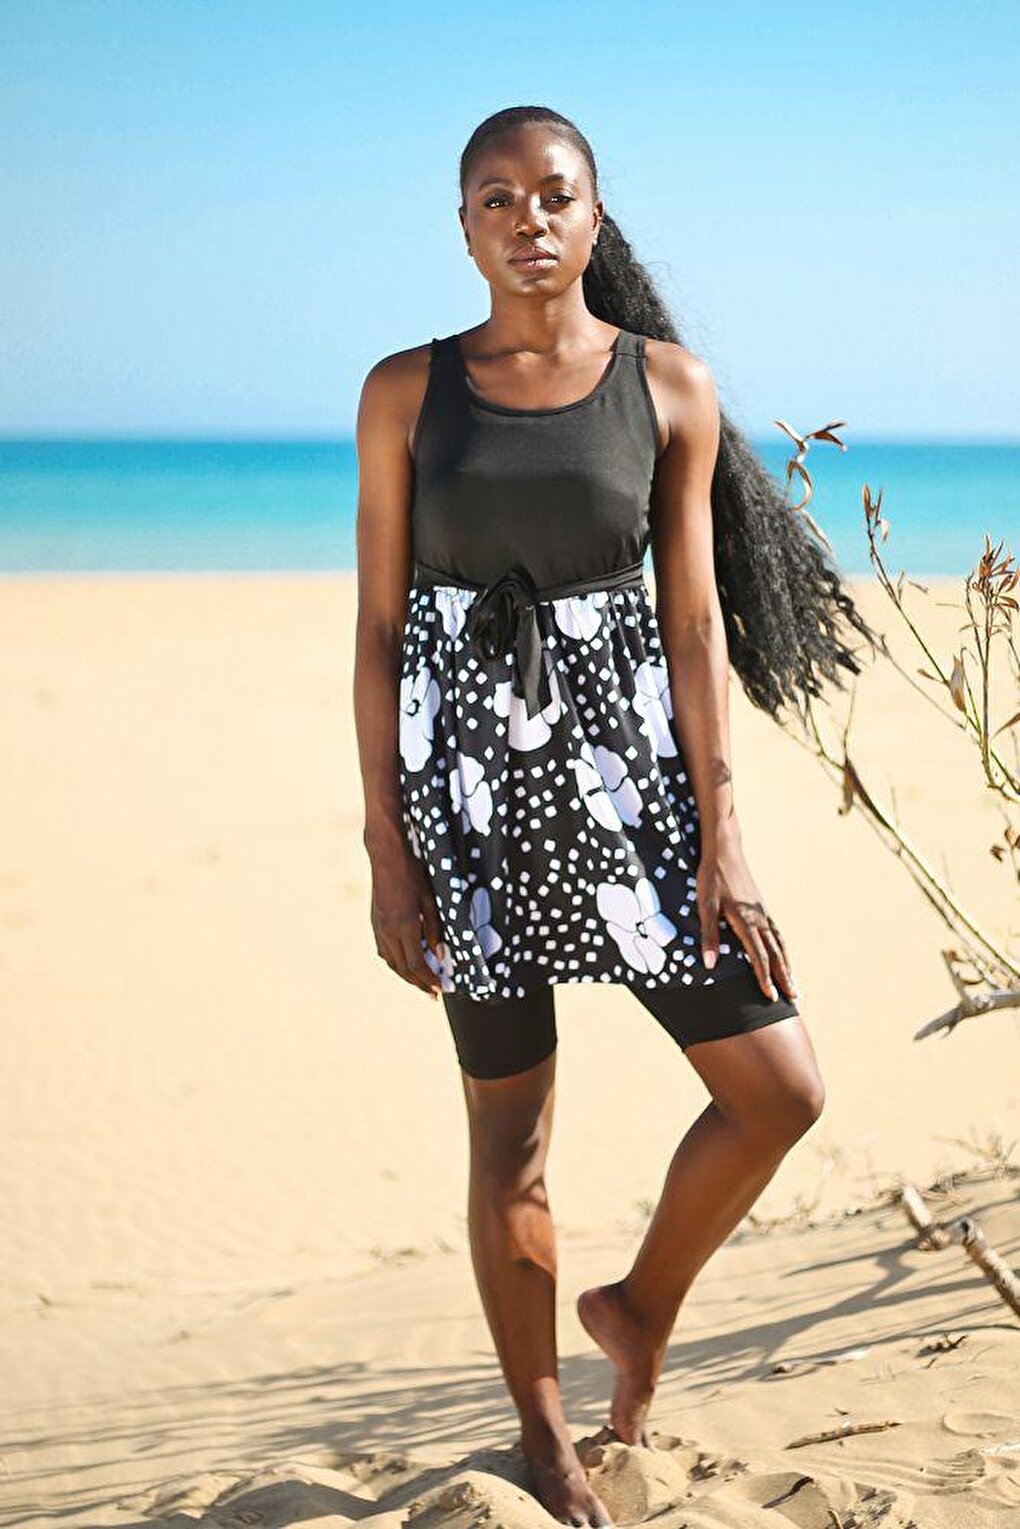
[539,348]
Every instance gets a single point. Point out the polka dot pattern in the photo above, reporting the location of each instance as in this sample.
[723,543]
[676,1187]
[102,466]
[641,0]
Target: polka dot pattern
[560,847]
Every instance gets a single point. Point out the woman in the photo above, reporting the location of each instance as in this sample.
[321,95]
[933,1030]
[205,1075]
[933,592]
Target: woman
[545,758]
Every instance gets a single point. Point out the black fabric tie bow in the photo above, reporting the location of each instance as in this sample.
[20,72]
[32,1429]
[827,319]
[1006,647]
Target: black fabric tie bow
[503,616]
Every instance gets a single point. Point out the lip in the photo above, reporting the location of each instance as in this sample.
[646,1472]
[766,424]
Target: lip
[534,256]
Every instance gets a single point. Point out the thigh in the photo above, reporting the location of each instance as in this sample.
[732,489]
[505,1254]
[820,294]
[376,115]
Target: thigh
[731,1005]
[497,1038]
[770,1080]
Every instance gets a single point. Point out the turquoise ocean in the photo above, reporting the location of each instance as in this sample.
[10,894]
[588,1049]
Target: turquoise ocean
[102,506]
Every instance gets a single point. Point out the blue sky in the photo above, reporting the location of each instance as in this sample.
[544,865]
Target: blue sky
[218,215]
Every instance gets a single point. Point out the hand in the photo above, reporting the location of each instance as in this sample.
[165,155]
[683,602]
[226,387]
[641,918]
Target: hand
[403,908]
[725,886]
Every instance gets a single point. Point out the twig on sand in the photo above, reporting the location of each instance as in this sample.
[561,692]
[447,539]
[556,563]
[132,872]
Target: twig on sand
[842,1432]
[929,1232]
[967,1231]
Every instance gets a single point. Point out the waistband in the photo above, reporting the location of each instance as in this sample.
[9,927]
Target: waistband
[503,616]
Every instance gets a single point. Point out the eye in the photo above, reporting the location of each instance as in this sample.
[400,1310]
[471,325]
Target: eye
[497,197]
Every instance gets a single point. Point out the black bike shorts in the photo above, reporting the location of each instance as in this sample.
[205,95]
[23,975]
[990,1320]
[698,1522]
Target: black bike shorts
[496,1038]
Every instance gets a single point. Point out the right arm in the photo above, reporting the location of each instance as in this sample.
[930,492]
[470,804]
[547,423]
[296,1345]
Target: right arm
[403,907]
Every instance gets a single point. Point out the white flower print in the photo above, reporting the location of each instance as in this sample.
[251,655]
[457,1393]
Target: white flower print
[591,788]
[481,919]
[636,922]
[419,702]
[470,792]
[605,788]
[625,794]
[653,703]
[580,615]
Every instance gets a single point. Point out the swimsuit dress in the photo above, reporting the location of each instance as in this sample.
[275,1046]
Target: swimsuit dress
[542,779]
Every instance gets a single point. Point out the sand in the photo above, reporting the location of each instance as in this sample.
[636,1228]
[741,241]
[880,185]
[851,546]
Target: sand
[236,1286]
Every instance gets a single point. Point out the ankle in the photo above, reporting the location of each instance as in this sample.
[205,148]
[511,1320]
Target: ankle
[654,1324]
[543,1430]
[631,1300]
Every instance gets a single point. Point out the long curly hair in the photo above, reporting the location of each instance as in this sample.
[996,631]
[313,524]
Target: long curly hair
[784,603]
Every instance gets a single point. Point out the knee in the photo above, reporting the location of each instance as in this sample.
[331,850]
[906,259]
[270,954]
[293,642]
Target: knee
[507,1158]
[780,1113]
[800,1103]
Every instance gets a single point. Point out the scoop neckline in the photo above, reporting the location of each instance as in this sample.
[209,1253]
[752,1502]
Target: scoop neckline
[560,408]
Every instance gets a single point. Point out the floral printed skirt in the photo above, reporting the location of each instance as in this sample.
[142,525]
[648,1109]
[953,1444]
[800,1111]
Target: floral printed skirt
[560,847]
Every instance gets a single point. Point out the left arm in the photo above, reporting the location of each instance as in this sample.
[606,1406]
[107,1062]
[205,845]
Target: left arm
[690,620]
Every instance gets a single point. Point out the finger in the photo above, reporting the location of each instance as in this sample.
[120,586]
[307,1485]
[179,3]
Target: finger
[787,974]
[421,972]
[778,960]
[709,917]
[755,947]
[762,964]
[413,966]
[774,930]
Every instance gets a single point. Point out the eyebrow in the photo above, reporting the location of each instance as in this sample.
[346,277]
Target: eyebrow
[498,180]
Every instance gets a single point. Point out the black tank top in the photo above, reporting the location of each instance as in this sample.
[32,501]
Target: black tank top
[562,491]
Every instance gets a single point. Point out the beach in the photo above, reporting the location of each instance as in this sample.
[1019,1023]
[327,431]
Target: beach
[236,1275]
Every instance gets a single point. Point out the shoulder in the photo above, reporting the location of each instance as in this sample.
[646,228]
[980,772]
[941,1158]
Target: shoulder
[394,387]
[397,372]
[677,369]
[683,390]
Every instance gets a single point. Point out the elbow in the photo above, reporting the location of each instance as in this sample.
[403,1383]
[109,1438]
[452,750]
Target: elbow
[380,633]
[378,649]
[688,636]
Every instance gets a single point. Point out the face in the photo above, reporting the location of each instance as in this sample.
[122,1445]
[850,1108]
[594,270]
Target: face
[530,189]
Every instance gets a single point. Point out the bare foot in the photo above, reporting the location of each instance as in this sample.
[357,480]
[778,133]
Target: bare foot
[635,1356]
[559,1481]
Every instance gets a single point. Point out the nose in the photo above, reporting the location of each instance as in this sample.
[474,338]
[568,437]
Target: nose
[531,221]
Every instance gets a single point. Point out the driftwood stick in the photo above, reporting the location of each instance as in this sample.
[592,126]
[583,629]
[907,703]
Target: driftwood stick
[843,1432]
[968,1008]
[966,1231]
[917,1213]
